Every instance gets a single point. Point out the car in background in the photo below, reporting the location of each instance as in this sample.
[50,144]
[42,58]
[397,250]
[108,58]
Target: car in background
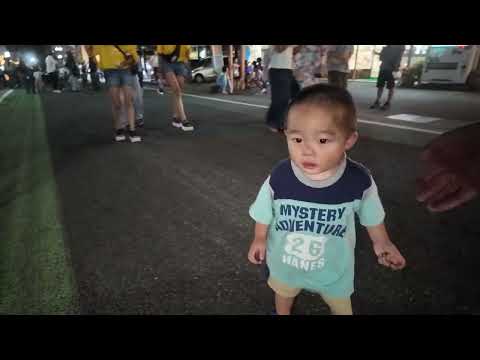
[203,70]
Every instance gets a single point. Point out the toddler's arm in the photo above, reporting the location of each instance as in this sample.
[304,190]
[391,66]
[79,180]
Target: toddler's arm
[256,254]
[387,252]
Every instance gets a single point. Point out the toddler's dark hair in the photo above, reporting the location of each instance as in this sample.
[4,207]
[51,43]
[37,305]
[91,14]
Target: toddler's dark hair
[337,100]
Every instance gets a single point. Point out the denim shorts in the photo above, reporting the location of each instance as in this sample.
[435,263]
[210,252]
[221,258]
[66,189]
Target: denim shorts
[119,77]
[178,68]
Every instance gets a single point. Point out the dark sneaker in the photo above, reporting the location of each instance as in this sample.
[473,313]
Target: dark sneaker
[177,123]
[120,135]
[132,135]
[187,126]
[160,92]
[385,106]
[140,123]
[375,105]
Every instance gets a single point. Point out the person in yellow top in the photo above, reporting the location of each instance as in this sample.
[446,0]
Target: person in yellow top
[172,62]
[116,62]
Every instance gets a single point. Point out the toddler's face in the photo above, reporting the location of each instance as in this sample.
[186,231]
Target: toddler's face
[315,143]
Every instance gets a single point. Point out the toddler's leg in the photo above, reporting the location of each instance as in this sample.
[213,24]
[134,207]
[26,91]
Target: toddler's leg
[283,305]
[284,296]
[339,306]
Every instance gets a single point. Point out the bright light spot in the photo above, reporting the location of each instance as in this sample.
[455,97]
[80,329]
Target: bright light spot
[59,56]
[7,54]
[58,48]
[421,49]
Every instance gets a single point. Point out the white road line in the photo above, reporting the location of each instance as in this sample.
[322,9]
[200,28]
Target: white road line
[435,132]
[227,101]
[403,127]
[5,95]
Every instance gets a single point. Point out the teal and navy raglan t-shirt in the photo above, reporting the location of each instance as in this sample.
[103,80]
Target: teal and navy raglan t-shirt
[311,237]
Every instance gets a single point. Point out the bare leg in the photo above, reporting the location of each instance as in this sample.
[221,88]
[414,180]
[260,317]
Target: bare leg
[390,95]
[177,103]
[339,306]
[181,108]
[376,104]
[283,305]
[114,94]
[379,94]
[128,99]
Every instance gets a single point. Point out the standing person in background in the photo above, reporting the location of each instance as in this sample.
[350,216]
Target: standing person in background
[263,70]
[84,75]
[337,64]
[284,87]
[248,74]
[116,62]
[172,62]
[92,64]
[391,57]
[137,102]
[236,75]
[29,80]
[138,97]
[306,62]
[155,64]
[38,83]
[74,72]
[2,79]
[224,83]
[52,72]
[22,72]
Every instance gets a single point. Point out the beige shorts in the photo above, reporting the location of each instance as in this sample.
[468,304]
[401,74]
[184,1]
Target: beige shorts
[338,306]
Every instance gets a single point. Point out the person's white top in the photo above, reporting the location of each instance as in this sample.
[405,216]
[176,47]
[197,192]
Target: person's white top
[51,64]
[153,61]
[283,60]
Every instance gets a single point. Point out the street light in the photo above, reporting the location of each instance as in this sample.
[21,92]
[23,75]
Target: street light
[32,60]
[58,48]
[60,56]
[6,54]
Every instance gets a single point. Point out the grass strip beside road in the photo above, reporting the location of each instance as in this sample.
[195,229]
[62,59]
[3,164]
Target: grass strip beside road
[35,272]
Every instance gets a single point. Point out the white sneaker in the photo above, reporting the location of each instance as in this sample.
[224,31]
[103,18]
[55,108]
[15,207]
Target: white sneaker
[120,135]
[132,135]
[176,123]
[187,126]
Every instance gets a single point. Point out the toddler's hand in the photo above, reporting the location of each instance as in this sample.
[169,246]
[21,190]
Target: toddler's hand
[256,254]
[389,256]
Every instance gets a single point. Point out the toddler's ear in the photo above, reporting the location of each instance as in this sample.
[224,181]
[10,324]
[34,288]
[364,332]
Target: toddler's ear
[351,140]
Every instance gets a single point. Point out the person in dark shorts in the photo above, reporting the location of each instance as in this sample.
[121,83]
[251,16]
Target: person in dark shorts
[390,56]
